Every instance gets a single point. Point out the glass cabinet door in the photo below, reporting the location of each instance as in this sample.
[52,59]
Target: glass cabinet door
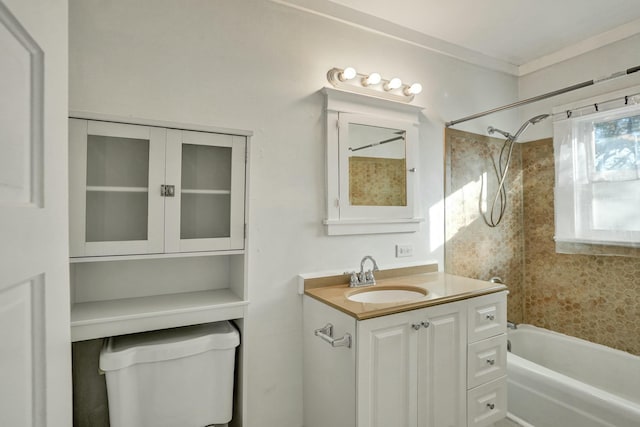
[115,175]
[207,212]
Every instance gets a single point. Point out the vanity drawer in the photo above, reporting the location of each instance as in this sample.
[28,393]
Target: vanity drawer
[487,316]
[486,360]
[487,403]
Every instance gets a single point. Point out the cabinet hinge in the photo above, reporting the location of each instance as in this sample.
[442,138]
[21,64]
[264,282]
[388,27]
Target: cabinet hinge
[337,203]
[246,156]
[245,230]
[338,124]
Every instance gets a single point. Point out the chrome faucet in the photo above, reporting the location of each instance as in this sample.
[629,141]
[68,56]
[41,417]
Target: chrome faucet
[364,278]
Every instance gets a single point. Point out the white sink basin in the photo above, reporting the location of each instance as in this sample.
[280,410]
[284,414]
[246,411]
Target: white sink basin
[387,295]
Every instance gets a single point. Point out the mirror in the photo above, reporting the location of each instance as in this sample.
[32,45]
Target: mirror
[377,166]
[372,180]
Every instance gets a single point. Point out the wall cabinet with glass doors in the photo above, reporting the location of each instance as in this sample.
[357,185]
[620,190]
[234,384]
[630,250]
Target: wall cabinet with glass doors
[157,225]
[157,229]
[138,189]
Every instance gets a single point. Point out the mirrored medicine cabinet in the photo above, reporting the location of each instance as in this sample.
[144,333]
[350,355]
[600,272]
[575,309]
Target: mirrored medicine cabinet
[371,165]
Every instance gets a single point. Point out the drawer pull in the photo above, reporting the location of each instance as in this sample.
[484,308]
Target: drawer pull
[490,317]
[425,324]
[491,362]
[491,406]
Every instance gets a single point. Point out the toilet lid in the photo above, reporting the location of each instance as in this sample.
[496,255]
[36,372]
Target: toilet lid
[167,344]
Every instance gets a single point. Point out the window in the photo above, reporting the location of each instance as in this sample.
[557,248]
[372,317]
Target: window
[597,194]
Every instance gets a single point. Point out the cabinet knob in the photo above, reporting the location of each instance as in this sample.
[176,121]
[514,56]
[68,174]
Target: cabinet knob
[425,324]
[491,405]
[416,326]
[491,362]
[490,317]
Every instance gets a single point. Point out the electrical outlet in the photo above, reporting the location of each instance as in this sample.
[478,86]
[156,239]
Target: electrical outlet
[404,251]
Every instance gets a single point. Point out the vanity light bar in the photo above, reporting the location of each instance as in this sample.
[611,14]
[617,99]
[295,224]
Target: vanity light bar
[373,84]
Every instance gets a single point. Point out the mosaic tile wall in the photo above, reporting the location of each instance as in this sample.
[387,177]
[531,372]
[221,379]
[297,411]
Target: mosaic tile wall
[593,297]
[473,249]
[376,181]
[596,298]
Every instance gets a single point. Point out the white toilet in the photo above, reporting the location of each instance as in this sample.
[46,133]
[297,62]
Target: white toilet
[173,377]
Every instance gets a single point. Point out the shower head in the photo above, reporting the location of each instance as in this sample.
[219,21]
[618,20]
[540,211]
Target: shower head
[537,119]
[491,130]
[531,121]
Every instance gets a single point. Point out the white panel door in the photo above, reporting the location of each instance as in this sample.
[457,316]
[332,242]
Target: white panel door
[35,362]
[442,367]
[387,375]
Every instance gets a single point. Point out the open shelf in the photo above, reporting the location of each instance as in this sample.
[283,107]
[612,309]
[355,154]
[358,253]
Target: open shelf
[169,255]
[100,319]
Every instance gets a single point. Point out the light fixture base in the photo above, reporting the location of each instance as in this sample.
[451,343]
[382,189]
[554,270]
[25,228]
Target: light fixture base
[355,85]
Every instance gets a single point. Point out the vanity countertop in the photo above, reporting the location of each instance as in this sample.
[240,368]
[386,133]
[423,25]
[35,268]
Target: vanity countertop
[441,288]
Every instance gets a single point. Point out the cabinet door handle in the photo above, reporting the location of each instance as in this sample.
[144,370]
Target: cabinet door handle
[491,406]
[168,190]
[491,362]
[490,317]
[416,326]
[425,324]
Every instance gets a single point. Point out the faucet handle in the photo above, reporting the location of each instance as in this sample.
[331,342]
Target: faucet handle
[353,280]
[368,278]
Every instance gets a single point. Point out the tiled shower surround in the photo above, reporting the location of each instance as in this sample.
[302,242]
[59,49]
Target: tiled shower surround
[472,249]
[593,297]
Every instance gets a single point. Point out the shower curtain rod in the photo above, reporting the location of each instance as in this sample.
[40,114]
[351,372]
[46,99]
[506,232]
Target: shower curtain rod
[545,95]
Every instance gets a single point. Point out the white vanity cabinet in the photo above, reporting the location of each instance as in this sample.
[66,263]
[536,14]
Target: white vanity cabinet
[486,360]
[138,189]
[410,369]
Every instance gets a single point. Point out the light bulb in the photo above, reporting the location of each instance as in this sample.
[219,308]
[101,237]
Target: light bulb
[371,79]
[347,74]
[394,83]
[414,89]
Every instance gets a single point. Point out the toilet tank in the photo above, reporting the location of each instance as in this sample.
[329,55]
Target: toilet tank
[172,377]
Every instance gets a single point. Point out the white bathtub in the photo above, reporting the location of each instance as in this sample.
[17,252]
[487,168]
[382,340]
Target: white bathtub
[555,380]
